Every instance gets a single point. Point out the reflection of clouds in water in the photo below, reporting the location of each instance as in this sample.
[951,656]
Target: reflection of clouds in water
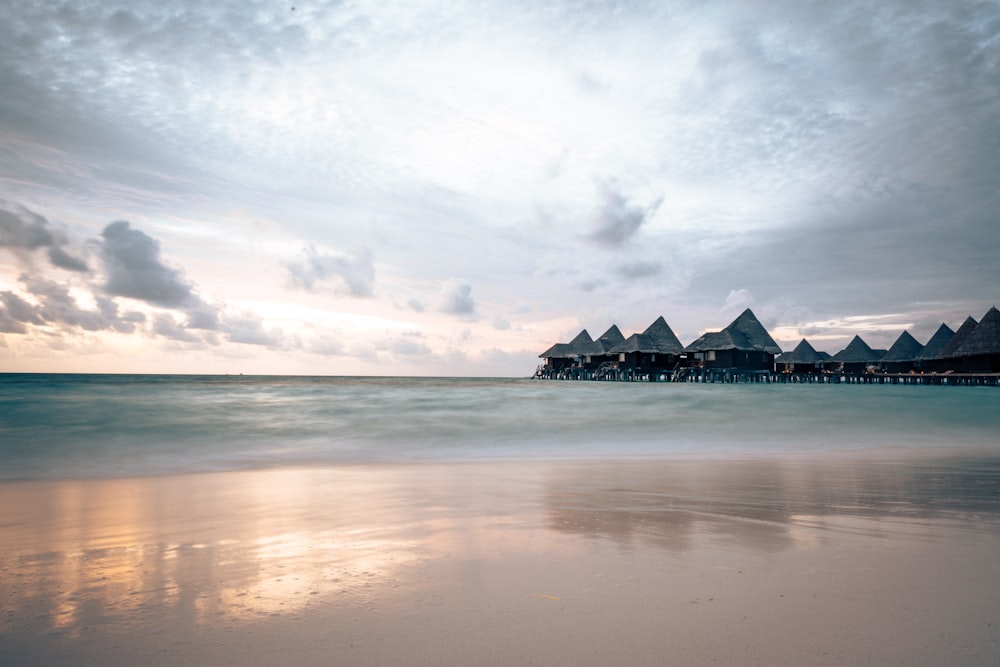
[767,505]
[100,553]
[198,551]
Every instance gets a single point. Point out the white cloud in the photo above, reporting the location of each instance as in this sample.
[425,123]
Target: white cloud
[456,298]
[353,274]
[791,142]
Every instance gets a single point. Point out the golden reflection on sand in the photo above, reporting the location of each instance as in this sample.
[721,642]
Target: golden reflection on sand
[502,563]
[254,544]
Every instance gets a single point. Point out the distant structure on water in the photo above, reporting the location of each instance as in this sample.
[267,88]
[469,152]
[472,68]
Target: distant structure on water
[745,351]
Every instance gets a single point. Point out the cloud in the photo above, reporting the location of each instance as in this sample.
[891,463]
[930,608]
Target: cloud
[64,260]
[737,300]
[132,261]
[456,297]
[615,220]
[56,306]
[639,269]
[417,305]
[250,331]
[205,317]
[165,325]
[354,273]
[24,230]
[410,344]
[20,310]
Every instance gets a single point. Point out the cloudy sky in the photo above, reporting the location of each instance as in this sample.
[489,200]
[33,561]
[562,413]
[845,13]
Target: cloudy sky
[430,188]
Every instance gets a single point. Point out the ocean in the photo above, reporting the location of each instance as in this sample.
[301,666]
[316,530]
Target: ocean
[105,426]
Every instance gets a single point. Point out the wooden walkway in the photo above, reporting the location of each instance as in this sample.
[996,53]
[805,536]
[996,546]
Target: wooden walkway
[731,376]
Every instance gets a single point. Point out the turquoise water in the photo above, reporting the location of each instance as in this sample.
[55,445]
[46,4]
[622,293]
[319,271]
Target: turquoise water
[56,426]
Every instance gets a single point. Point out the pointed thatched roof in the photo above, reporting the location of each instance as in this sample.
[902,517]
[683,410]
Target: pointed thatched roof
[857,351]
[804,353]
[744,333]
[575,348]
[937,342]
[557,351]
[956,341]
[906,348]
[582,341]
[985,338]
[658,338]
[748,325]
[663,337]
[608,340]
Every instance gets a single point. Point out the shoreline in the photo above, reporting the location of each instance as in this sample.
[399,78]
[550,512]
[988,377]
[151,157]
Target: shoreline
[826,561]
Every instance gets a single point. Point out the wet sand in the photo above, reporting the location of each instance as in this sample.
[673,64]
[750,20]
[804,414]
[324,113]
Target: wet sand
[835,560]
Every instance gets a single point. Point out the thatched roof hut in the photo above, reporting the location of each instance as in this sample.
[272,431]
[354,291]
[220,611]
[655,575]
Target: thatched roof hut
[906,348]
[804,353]
[658,338]
[956,341]
[857,352]
[902,356]
[937,342]
[984,339]
[745,333]
[804,358]
[656,347]
[605,342]
[743,344]
[561,355]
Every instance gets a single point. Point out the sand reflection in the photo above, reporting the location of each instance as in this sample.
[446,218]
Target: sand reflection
[192,550]
[559,562]
[769,505]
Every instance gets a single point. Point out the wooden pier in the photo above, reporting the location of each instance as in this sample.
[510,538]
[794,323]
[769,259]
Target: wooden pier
[732,376]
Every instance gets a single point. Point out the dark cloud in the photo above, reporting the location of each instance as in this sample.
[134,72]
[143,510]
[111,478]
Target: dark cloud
[355,274]
[616,220]
[132,261]
[9,325]
[165,325]
[24,230]
[639,269]
[64,260]
[57,307]
[204,317]
[456,298]
[20,310]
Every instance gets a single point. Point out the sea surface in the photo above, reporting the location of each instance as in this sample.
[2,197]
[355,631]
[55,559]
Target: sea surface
[101,426]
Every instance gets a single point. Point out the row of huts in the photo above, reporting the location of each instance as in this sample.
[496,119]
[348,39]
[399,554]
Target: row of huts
[745,347]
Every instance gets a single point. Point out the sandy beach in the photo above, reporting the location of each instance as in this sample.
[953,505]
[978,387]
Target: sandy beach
[833,560]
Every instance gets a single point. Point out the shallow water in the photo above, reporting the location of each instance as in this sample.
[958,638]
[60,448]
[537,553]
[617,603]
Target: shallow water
[64,426]
[753,562]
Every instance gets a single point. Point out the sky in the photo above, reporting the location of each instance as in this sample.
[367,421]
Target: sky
[441,188]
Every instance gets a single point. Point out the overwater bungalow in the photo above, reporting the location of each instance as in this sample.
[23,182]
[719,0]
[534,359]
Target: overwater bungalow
[743,345]
[902,356]
[745,352]
[945,359]
[803,359]
[564,355]
[980,351]
[857,357]
[601,350]
[925,358]
[655,349]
